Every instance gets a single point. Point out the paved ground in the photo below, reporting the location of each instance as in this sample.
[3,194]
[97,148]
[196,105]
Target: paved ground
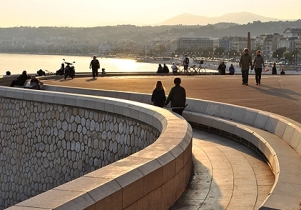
[227,175]
[279,94]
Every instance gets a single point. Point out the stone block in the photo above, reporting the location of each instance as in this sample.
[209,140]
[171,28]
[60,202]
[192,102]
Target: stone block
[226,111]
[250,116]
[261,120]
[213,109]
[132,185]
[238,113]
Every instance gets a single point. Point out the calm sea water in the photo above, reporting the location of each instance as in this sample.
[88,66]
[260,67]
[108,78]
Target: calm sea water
[16,63]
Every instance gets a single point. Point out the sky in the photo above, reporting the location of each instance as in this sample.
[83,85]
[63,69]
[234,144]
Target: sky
[91,13]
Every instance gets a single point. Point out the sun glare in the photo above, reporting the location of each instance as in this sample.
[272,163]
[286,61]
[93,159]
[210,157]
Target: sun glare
[126,65]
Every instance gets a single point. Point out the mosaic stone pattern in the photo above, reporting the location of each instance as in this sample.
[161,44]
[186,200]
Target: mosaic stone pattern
[46,145]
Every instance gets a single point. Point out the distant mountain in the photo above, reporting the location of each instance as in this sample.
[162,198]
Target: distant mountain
[239,18]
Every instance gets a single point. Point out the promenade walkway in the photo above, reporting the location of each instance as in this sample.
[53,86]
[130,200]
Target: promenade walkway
[227,175]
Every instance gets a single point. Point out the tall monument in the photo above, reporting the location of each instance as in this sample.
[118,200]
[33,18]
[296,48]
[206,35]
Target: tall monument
[249,42]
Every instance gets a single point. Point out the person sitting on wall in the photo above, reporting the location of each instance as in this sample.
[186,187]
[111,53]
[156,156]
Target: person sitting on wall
[282,72]
[160,69]
[103,71]
[174,68]
[20,80]
[41,72]
[165,69]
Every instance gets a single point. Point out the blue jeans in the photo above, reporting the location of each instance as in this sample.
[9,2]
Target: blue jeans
[245,76]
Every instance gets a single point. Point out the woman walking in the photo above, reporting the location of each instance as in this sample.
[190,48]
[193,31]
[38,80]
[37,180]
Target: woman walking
[158,96]
[258,64]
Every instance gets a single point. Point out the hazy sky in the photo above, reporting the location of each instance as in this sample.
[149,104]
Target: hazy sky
[87,13]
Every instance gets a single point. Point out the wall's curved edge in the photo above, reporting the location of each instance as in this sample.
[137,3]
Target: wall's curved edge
[284,128]
[154,177]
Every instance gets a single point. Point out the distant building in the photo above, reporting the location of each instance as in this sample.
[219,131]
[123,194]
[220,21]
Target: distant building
[292,32]
[194,43]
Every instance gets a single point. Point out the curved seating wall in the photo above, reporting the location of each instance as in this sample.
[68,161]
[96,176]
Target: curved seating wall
[240,123]
[155,175]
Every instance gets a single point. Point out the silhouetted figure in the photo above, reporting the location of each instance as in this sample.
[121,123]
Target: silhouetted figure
[222,68]
[158,95]
[274,69]
[94,64]
[20,80]
[177,97]
[165,68]
[282,72]
[160,69]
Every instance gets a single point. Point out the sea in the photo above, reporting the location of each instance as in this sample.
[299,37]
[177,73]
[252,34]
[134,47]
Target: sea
[16,63]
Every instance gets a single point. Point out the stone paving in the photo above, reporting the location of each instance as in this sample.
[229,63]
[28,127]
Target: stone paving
[229,175]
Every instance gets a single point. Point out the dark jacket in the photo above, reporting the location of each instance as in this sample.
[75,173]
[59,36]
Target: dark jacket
[158,97]
[160,69]
[22,79]
[222,68]
[177,97]
[94,64]
[245,62]
[165,69]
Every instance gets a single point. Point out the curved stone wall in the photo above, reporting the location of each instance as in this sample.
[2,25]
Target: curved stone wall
[50,138]
[46,145]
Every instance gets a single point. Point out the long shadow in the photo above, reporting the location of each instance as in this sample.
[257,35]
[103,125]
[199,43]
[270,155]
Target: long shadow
[198,189]
[279,92]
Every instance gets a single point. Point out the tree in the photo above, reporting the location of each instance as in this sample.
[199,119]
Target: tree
[279,53]
[219,51]
[289,56]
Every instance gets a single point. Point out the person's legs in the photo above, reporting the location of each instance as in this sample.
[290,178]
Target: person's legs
[259,75]
[178,111]
[245,75]
[93,73]
[256,76]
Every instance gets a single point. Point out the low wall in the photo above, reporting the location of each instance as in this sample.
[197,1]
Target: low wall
[249,126]
[51,138]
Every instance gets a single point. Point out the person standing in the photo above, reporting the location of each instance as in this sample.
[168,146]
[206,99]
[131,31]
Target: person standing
[274,69]
[222,68]
[177,97]
[245,63]
[258,64]
[94,64]
[231,69]
[186,63]
[158,96]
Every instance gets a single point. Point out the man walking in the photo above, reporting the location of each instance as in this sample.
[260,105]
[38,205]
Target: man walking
[258,64]
[245,63]
[177,97]
[94,64]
